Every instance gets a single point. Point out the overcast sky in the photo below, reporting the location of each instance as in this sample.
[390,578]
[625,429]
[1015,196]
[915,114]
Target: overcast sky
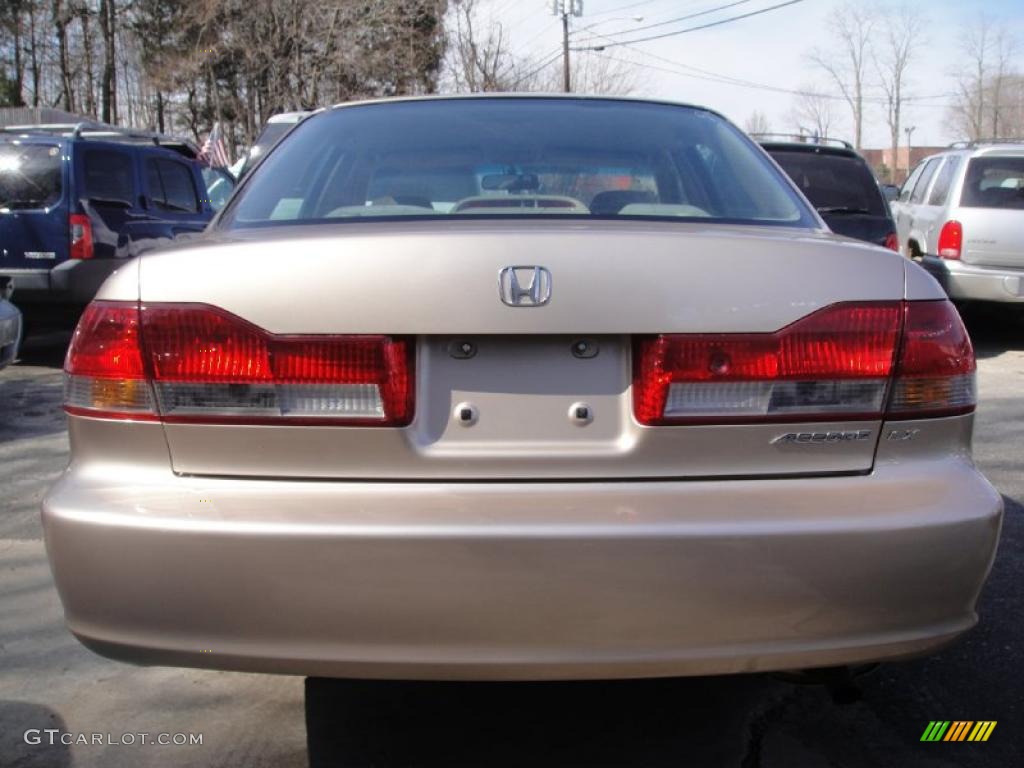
[769,49]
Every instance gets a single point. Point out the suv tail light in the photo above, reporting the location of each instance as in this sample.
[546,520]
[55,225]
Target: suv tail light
[197,363]
[80,227]
[951,240]
[835,364]
[892,241]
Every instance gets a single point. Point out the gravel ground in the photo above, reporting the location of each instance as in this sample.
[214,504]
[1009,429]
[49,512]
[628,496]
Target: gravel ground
[48,681]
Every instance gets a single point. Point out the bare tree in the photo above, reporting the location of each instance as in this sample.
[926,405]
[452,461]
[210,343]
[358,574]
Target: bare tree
[12,22]
[757,122]
[1004,49]
[480,58]
[478,61]
[969,105]
[985,87]
[599,75]
[898,47]
[846,62]
[108,82]
[181,64]
[61,15]
[813,111]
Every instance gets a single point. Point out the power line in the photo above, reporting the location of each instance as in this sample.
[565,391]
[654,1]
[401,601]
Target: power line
[703,74]
[731,80]
[623,8]
[692,29]
[548,61]
[678,19]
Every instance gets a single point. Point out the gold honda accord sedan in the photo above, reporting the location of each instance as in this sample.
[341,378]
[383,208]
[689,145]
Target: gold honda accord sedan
[519,388]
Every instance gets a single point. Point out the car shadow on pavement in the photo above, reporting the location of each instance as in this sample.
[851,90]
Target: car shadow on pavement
[735,721]
[31,406]
[32,390]
[23,739]
[500,725]
[994,329]
[45,349]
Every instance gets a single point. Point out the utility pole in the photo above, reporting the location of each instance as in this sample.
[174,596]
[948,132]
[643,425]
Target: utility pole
[909,130]
[565,9]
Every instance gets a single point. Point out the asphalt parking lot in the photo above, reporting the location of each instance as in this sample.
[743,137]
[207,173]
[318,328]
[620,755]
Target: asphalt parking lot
[48,681]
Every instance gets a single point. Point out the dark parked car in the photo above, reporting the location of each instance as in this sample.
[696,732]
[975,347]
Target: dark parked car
[75,203]
[839,183]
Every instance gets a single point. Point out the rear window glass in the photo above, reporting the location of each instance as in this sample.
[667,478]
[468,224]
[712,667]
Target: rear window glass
[509,157]
[30,175]
[109,175]
[994,182]
[833,182]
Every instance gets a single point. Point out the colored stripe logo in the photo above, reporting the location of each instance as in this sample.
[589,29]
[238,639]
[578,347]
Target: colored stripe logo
[958,730]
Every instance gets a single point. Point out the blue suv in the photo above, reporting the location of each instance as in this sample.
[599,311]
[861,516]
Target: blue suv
[74,203]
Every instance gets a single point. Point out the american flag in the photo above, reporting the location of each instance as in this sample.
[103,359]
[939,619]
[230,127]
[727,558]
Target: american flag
[214,152]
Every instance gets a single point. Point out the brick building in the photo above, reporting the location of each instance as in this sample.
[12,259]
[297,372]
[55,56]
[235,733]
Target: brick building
[881,161]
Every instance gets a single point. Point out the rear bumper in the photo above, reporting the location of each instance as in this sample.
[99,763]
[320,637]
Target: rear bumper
[976,283]
[70,282]
[520,580]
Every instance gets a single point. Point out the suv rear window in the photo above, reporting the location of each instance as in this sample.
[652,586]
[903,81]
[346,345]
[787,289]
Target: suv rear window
[832,182]
[994,182]
[30,175]
[515,156]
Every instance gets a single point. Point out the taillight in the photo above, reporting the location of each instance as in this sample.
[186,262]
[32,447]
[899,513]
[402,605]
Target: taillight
[951,240]
[833,365]
[104,371]
[80,228]
[202,364]
[936,370]
[892,241]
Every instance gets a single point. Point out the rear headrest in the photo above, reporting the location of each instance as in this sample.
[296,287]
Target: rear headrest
[614,200]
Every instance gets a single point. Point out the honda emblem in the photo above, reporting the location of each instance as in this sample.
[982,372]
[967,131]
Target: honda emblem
[524,286]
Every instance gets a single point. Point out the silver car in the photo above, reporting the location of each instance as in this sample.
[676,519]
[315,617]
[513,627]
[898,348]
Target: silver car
[10,324]
[962,213]
[519,387]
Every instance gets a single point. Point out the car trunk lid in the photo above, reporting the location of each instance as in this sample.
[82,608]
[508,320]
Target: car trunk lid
[523,392]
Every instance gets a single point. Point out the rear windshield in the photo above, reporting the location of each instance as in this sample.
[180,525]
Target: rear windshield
[994,182]
[833,183]
[515,157]
[30,175]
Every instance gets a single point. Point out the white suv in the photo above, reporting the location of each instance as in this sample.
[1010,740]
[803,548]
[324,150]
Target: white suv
[962,213]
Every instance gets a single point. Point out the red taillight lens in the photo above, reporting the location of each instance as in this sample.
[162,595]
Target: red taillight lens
[832,364]
[892,241]
[206,365]
[104,367]
[951,240]
[80,228]
[936,370]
